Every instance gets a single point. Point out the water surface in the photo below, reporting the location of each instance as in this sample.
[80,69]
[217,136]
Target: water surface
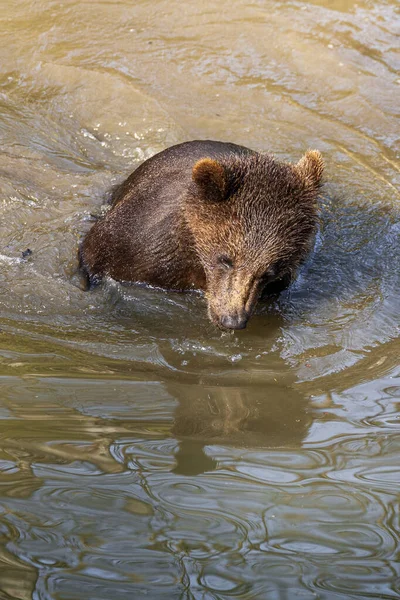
[143,454]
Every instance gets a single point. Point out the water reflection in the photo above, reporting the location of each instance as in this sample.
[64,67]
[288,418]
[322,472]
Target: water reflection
[263,416]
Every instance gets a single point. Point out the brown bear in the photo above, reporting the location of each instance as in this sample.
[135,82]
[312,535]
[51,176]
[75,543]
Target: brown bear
[209,216]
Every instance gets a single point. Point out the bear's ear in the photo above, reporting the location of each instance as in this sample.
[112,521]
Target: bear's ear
[310,167]
[210,178]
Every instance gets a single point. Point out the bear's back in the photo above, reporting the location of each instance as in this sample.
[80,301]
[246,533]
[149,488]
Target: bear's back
[172,168]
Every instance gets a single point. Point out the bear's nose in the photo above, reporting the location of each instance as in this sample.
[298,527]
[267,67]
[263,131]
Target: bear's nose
[238,321]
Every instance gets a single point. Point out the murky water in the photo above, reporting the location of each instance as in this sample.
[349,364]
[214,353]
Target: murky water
[143,454]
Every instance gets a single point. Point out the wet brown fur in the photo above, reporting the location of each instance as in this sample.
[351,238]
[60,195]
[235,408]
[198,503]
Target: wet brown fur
[210,216]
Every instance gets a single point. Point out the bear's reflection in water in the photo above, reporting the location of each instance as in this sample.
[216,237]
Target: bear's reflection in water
[264,416]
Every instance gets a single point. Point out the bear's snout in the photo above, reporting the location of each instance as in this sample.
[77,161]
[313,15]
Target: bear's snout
[232,299]
[234,321]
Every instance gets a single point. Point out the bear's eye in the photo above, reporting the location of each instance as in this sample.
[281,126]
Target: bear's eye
[268,275]
[225,261]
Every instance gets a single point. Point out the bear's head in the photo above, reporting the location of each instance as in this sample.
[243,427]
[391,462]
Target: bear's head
[252,220]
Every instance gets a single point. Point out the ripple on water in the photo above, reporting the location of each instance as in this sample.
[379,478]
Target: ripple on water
[370,579]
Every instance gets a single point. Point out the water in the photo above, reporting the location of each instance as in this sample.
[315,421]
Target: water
[143,454]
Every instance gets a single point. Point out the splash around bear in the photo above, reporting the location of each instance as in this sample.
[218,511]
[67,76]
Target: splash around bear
[209,216]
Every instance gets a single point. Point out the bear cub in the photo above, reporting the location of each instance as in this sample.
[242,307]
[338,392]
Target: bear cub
[209,216]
